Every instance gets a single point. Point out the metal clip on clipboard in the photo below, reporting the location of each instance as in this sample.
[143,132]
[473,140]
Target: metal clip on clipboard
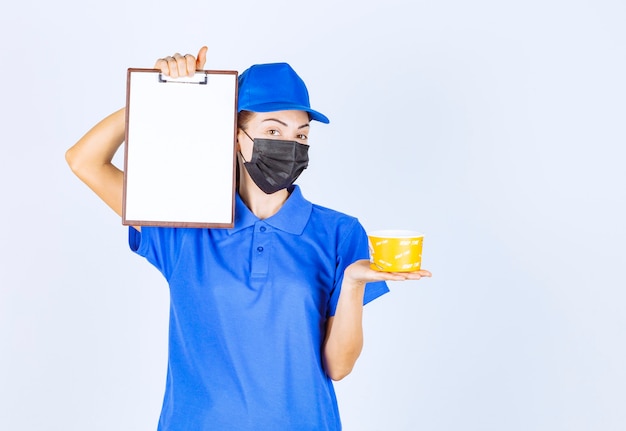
[201,78]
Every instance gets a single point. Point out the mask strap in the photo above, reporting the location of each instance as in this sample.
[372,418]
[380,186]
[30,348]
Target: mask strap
[247,135]
[242,157]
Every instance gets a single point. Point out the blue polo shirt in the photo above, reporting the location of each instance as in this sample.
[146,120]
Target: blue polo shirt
[248,310]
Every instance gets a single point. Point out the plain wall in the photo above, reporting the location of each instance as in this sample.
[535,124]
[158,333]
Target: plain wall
[496,128]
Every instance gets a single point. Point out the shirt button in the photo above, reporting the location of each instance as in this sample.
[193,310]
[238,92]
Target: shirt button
[259,249]
[263,229]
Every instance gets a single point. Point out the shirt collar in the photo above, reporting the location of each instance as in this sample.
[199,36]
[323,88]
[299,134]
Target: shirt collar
[291,218]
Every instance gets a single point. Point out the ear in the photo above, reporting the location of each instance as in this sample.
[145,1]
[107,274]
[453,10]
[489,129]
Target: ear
[237,138]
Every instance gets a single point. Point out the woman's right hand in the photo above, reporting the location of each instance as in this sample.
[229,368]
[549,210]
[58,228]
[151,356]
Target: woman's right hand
[177,65]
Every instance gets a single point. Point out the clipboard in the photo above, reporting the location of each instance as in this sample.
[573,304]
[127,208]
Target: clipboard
[180,160]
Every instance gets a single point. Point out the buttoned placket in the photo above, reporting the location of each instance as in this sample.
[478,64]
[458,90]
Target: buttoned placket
[260,249]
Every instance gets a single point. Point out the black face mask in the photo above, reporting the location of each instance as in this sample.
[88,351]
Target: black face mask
[276,164]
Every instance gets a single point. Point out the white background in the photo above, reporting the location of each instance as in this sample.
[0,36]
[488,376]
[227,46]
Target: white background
[497,128]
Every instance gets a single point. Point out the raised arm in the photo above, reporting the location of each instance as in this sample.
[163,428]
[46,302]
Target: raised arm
[90,159]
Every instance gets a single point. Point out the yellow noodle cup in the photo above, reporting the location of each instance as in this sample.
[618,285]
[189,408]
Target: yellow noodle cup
[395,250]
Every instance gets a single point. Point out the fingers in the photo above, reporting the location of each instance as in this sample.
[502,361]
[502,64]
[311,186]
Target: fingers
[201,58]
[361,271]
[402,276]
[178,65]
[415,275]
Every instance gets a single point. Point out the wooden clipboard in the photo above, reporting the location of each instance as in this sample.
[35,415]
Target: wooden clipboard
[180,160]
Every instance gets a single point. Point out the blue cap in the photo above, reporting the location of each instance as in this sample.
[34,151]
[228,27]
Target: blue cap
[274,87]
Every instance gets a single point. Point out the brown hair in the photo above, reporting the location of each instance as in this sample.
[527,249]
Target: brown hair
[243,118]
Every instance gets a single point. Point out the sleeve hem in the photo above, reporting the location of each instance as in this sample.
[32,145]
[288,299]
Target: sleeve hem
[374,290]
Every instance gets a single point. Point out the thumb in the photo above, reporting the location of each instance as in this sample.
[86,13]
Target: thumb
[201,59]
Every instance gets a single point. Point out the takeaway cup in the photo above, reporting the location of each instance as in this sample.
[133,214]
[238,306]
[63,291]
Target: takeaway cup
[395,250]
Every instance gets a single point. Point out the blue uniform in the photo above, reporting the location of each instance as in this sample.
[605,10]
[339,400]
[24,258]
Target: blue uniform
[248,310]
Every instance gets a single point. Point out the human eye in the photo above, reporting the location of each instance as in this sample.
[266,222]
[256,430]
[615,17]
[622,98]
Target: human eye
[302,137]
[273,132]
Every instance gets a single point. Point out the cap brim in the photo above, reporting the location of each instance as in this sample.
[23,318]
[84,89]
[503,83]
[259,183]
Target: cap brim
[279,106]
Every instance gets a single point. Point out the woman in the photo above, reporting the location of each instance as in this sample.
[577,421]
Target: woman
[265,315]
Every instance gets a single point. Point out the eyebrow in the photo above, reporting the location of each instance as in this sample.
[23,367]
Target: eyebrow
[285,124]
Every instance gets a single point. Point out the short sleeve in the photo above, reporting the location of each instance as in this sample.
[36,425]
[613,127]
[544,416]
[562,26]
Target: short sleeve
[353,246]
[157,245]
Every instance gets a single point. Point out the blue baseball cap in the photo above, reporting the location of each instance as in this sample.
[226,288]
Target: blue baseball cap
[274,87]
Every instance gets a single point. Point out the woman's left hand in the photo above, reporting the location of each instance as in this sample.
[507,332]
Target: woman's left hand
[344,330]
[360,272]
